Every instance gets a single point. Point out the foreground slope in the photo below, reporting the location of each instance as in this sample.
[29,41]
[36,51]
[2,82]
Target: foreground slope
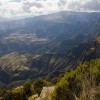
[83,83]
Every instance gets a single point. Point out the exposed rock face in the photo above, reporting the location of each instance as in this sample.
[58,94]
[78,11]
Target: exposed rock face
[45,94]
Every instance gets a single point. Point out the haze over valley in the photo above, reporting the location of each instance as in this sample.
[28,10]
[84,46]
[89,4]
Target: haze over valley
[45,50]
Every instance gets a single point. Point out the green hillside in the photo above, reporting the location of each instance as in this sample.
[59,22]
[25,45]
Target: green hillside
[82,83]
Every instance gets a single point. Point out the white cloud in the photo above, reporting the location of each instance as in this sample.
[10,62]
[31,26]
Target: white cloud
[84,5]
[15,8]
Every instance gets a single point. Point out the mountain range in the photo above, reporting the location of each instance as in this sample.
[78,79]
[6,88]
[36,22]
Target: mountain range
[44,34]
[48,45]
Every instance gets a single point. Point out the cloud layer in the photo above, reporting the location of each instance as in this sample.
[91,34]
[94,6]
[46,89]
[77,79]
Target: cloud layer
[16,8]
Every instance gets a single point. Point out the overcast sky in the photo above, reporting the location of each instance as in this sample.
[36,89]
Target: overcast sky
[16,8]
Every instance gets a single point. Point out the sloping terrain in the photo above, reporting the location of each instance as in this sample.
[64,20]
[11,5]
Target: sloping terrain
[46,46]
[82,83]
[16,66]
[46,93]
[47,33]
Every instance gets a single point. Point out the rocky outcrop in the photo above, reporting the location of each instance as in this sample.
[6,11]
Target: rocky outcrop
[45,94]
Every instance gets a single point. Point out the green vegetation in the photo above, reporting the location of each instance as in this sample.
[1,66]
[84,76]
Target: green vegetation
[25,91]
[79,82]
[39,84]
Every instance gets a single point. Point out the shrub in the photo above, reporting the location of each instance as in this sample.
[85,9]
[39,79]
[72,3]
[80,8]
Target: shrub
[76,83]
[39,84]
